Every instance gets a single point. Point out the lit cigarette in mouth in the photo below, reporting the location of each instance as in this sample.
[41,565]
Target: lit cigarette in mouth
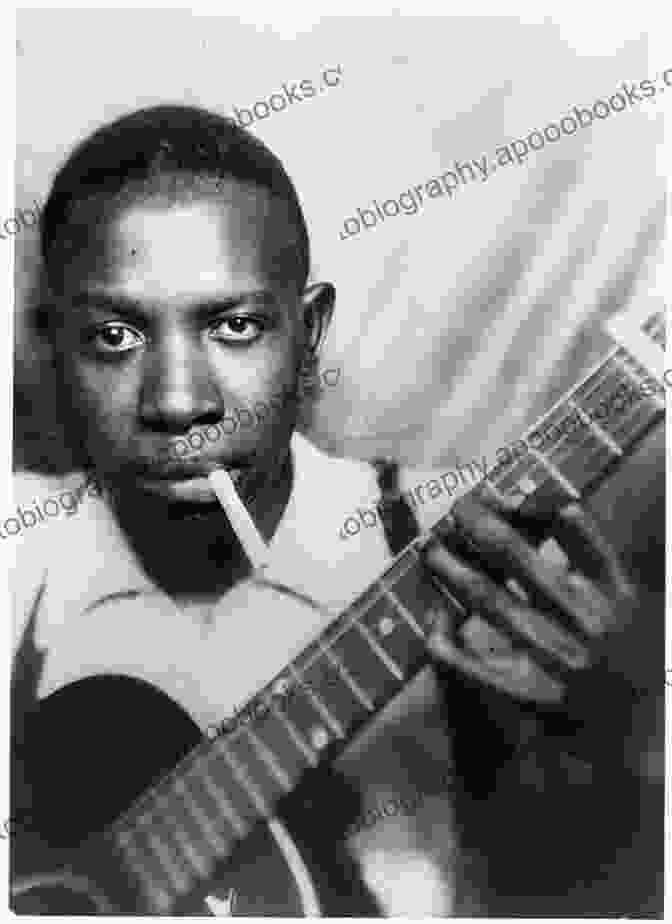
[250,538]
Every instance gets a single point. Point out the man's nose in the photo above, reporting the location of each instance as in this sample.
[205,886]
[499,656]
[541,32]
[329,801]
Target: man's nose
[178,388]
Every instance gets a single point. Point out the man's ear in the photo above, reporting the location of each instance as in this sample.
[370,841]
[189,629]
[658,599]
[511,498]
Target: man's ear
[317,305]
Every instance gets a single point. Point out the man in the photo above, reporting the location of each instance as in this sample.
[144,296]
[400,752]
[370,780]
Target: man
[177,259]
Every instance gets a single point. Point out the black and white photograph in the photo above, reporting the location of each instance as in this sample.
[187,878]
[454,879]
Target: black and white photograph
[336,528]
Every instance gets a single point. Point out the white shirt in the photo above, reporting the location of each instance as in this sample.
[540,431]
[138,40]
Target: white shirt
[88,623]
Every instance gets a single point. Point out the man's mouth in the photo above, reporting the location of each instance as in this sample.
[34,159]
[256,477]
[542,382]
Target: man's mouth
[186,470]
[188,482]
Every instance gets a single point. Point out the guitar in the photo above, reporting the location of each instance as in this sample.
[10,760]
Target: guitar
[211,819]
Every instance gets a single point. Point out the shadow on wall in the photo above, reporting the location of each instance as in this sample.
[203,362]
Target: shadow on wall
[39,438]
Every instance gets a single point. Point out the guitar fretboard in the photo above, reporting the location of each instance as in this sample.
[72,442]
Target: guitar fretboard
[192,818]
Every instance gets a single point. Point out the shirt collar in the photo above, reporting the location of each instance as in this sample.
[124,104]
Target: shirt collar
[94,560]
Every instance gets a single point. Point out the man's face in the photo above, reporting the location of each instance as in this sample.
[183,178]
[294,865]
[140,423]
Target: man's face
[173,319]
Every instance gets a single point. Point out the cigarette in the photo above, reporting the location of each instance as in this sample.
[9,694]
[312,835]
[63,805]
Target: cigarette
[250,538]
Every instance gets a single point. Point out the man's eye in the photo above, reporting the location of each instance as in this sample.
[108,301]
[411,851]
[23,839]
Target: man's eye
[238,330]
[116,338]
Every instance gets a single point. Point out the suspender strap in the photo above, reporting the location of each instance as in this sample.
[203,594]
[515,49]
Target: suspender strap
[399,521]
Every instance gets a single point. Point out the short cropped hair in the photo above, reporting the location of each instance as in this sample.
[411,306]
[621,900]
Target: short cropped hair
[143,146]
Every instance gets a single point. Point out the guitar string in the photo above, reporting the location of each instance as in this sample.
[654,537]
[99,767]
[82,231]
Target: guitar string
[354,620]
[602,371]
[626,418]
[599,377]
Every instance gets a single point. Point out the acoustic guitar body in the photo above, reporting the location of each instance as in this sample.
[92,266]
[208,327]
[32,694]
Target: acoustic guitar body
[107,739]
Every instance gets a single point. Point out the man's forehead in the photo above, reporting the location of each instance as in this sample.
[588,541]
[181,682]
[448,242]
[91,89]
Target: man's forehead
[196,245]
[156,247]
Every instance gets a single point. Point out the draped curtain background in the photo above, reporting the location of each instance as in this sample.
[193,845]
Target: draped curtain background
[456,326]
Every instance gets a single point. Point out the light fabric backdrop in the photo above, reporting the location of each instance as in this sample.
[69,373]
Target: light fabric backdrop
[455,326]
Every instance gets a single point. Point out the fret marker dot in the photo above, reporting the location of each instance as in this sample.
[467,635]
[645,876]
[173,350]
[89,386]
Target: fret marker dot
[386,625]
[319,738]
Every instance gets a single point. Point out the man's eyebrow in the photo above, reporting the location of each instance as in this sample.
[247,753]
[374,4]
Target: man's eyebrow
[121,304]
[216,304]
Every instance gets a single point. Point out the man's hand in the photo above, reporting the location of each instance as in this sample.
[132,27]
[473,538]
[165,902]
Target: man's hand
[535,618]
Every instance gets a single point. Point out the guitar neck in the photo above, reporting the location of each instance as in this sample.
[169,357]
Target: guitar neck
[173,835]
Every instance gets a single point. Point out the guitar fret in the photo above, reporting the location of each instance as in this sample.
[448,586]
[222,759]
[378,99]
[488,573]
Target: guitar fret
[305,715]
[224,805]
[210,802]
[178,879]
[309,753]
[270,760]
[199,863]
[638,374]
[224,771]
[389,663]
[602,386]
[159,864]
[136,861]
[583,450]
[241,748]
[287,747]
[634,416]
[588,386]
[323,672]
[419,597]
[186,840]
[165,852]
[218,843]
[513,478]
[345,674]
[501,480]
[181,881]
[574,442]
[615,380]
[403,643]
[598,377]
[597,431]
[583,457]
[244,780]
[157,896]
[401,609]
[556,474]
[527,482]
[321,707]
[364,663]
[518,497]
